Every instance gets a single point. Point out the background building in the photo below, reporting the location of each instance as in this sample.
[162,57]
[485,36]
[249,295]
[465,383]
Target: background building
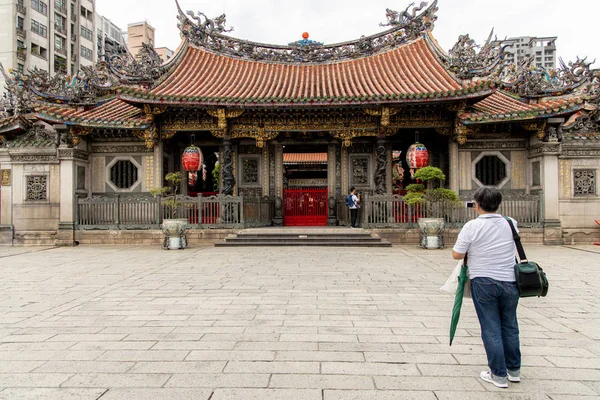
[543,49]
[165,53]
[110,37]
[50,35]
[138,33]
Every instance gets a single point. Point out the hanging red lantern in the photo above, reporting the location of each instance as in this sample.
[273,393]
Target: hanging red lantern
[416,157]
[192,158]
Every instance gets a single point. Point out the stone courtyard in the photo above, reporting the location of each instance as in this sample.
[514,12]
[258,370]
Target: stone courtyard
[278,324]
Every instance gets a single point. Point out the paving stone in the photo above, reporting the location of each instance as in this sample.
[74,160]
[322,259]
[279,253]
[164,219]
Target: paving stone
[117,380]
[51,394]
[219,380]
[32,380]
[377,395]
[358,324]
[266,394]
[183,367]
[157,394]
[321,381]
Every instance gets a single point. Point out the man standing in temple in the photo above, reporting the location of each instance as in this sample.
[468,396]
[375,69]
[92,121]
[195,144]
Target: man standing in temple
[353,203]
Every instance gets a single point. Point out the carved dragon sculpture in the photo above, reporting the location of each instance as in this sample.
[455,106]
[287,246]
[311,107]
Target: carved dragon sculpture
[395,18]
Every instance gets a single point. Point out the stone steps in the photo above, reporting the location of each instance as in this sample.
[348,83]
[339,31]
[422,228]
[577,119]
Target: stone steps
[304,237]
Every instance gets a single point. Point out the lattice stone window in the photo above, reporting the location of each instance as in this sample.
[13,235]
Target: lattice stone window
[490,170]
[250,170]
[584,182]
[123,174]
[360,171]
[536,175]
[37,187]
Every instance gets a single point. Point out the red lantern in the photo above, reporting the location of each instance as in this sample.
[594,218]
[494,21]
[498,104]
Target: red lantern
[416,157]
[192,158]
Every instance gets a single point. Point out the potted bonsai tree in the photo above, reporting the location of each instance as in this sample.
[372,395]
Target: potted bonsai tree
[173,227]
[431,202]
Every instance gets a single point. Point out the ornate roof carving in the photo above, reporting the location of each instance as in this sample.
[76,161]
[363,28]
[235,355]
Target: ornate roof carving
[468,63]
[529,81]
[588,119]
[143,70]
[208,33]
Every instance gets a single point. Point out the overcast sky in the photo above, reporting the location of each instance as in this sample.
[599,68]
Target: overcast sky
[332,21]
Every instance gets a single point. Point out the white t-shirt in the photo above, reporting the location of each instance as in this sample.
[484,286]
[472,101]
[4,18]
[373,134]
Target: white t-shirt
[354,202]
[491,249]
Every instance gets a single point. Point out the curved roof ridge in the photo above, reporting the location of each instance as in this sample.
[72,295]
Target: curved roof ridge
[209,34]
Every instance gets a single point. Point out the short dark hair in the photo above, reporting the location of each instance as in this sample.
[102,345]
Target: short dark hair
[352,189]
[488,198]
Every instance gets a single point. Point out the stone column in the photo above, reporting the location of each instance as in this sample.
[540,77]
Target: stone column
[66,225]
[6,227]
[550,184]
[382,167]
[454,168]
[227,165]
[331,167]
[278,220]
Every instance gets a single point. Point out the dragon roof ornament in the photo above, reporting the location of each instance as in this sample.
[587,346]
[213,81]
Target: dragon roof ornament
[143,70]
[468,63]
[527,80]
[588,119]
[209,33]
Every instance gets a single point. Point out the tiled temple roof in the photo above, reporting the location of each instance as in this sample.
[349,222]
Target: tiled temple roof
[501,107]
[304,158]
[409,73]
[112,114]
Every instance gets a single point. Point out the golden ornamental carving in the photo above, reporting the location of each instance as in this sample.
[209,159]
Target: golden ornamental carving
[262,137]
[167,134]
[384,112]
[5,177]
[188,126]
[2,139]
[223,115]
[462,131]
[149,136]
[536,126]
[80,131]
[345,136]
[458,107]
[444,130]
[153,109]
[218,133]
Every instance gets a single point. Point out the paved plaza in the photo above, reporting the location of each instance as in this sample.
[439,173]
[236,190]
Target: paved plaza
[278,324]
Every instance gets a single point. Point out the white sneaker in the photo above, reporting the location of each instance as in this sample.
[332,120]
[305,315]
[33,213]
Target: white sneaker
[498,381]
[514,376]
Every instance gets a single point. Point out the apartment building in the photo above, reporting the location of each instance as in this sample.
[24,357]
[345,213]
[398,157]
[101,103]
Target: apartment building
[543,49]
[110,38]
[138,33]
[52,35]
[165,53]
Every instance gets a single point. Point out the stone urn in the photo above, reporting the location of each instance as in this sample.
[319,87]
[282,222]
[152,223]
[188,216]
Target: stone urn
[175,230]
[432,232]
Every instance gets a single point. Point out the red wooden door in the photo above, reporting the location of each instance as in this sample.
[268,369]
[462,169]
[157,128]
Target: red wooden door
[305,207]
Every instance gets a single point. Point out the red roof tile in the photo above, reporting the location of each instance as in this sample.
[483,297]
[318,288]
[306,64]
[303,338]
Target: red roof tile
[407,73]
[114,113]
[305,158]
[503,107]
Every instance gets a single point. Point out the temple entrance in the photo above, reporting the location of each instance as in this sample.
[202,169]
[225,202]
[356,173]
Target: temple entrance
[305,197]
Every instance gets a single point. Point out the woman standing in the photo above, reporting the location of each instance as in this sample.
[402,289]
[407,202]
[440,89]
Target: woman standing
[489,242]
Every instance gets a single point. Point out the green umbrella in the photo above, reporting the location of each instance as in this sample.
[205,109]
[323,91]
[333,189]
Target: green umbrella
[458,300]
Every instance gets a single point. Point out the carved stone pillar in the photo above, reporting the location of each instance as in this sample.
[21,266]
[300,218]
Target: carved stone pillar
[331,181]
[68,199]
[278,221]
[382,167]
[227,165]
[454,168]
[6,228]
[553,234]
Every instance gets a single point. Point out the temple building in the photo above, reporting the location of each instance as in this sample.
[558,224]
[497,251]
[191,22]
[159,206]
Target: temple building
[285,131]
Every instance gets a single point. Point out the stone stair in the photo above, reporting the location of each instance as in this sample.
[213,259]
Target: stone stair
[293,236]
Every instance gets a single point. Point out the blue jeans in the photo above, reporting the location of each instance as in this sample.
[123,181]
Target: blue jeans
[496,305]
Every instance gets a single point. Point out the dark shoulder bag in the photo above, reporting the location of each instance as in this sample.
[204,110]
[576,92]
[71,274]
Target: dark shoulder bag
[531,278]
